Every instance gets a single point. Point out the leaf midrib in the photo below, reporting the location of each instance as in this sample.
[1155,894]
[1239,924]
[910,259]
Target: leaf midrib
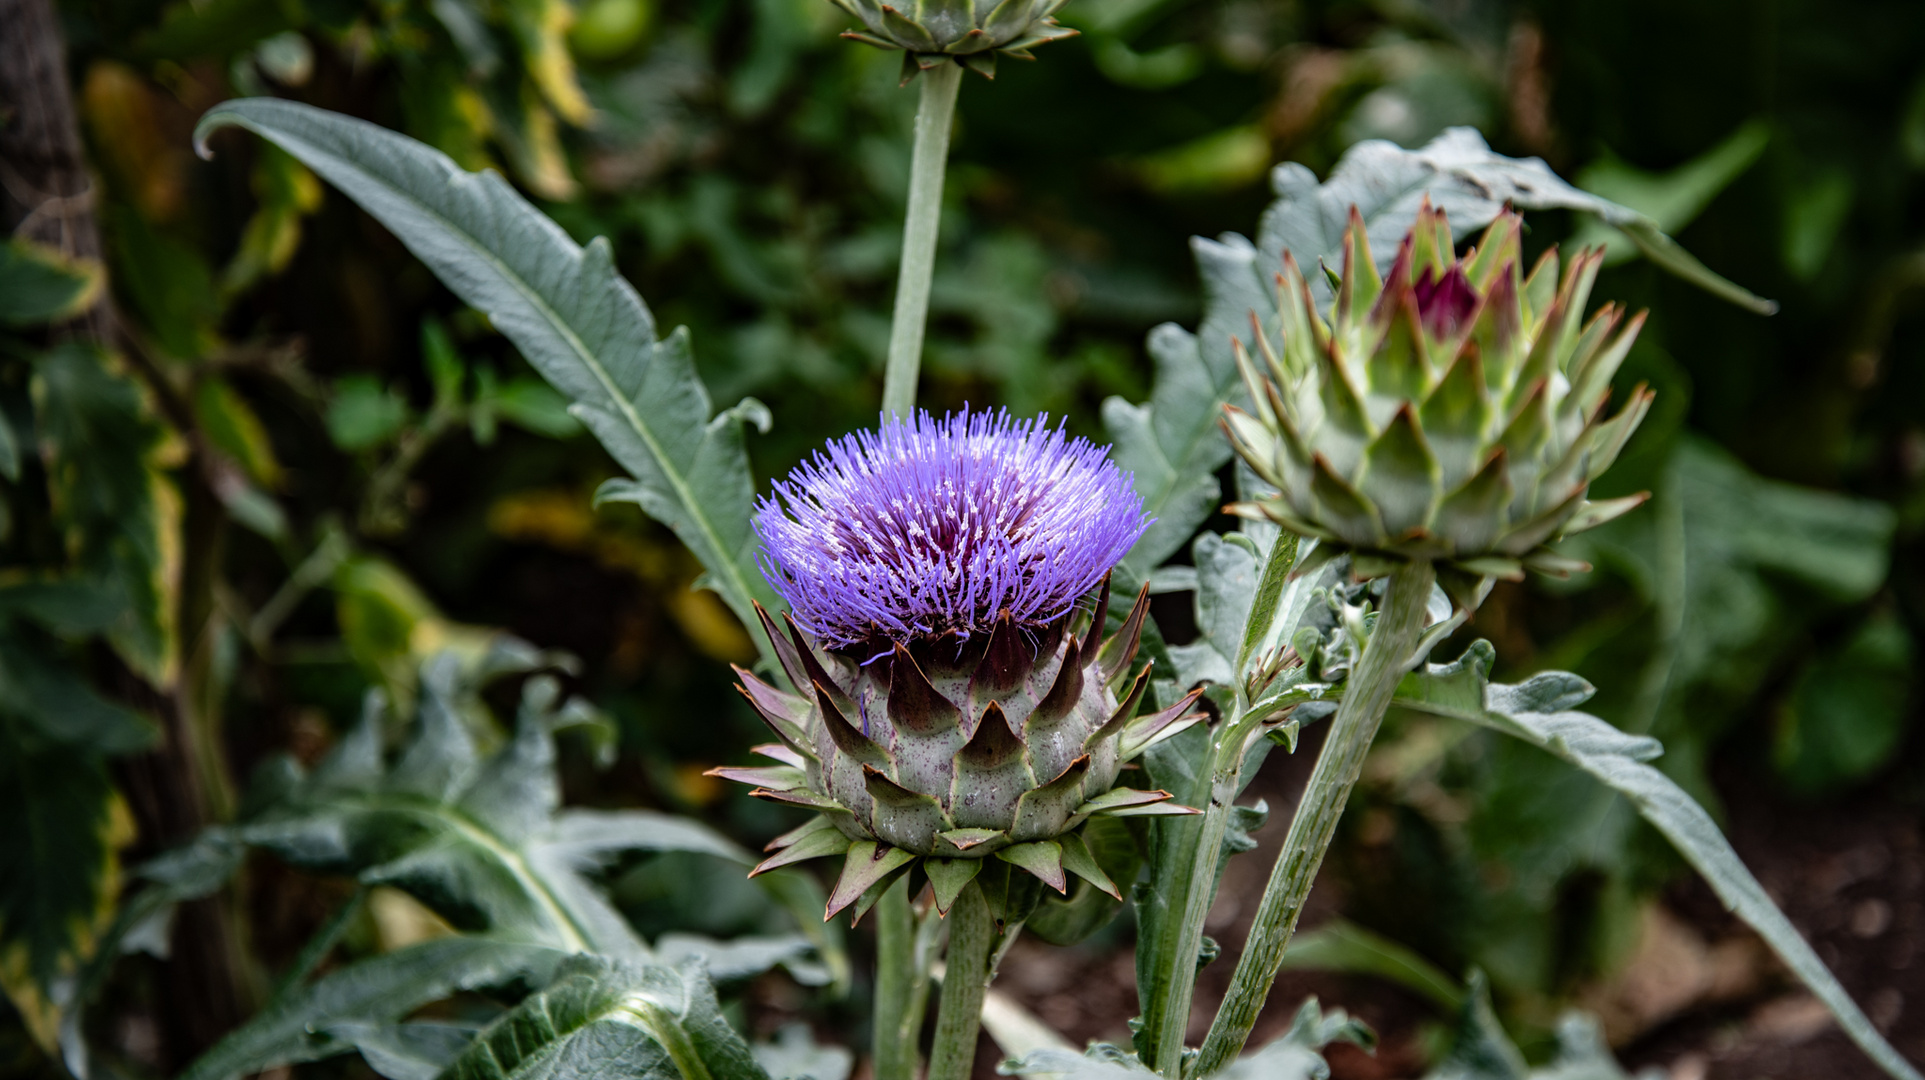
[589,360]
[576,937]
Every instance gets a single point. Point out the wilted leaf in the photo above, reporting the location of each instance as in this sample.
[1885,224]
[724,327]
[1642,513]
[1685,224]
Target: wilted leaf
[1539,712]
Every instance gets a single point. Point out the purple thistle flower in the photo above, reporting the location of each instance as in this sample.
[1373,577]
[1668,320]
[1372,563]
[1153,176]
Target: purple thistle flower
[934,527]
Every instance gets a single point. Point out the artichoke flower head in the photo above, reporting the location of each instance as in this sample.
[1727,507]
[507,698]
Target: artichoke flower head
[972,33]
[956,704]
[1453,409]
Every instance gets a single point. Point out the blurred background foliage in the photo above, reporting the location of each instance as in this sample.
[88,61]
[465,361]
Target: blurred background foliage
[308,469]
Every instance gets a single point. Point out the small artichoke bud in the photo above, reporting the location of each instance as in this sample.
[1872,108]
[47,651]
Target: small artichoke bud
[1452,410]
[954,701]
[969,32]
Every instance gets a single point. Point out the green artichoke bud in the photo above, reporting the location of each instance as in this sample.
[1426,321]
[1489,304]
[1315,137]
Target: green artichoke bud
[969,32]
[937,756]
[1453,410]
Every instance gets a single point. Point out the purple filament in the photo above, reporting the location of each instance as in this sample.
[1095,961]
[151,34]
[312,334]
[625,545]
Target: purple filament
[934,527]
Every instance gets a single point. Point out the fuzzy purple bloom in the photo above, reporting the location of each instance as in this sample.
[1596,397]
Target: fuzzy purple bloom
[935,527]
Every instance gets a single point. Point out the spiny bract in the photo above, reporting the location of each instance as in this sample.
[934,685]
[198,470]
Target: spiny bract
[955,699]
[1453,410]
[969,32]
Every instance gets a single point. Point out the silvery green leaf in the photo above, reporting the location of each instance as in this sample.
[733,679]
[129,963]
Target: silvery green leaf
[1172,445]
[1479,1048]
[1462,690]
[1067,1065]
[737,958]
[563,305]
[378,990]
[417,1051]
[795,1055]
[1296,1054]
[608,1020]
[1462,176]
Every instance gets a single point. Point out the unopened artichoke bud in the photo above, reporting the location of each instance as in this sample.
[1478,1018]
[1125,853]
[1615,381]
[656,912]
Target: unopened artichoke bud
[968,32]
[1453,410]
[957,699]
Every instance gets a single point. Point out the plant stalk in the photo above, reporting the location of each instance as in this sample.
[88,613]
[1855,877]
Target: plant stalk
[934,117]
[965,982]
[895,1040]
[1226,772]
[1366,698]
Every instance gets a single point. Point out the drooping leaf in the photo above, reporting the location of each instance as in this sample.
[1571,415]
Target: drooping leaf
[1540,711]
[1672,199]
[578,323]
[1462,176]
[417,1051]
[378,990]
[39,285]
[608,1020]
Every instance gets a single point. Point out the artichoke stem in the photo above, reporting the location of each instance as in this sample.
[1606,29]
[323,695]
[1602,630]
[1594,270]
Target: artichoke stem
[895,1035]
[965,982]
[1366,698]
[934,117]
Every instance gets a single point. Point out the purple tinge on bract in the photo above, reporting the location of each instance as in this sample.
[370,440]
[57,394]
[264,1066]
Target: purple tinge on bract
[932,527]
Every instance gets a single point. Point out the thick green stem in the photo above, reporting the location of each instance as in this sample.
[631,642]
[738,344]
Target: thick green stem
[934,117]
[895,1039]
[965,981]
[1226,772]
[1366,698]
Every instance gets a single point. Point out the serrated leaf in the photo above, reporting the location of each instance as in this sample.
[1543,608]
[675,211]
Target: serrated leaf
[579,324]
[1460,175]
[1297,1054]
[381,989]
[1462,690]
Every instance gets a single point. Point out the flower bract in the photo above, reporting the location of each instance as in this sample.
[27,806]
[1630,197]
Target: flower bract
[1452,410]
[954,700]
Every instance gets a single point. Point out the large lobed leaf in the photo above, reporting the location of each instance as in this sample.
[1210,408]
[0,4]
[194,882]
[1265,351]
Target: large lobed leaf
[607,1020]
[582,326]
[328,1016]
[1541,711]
